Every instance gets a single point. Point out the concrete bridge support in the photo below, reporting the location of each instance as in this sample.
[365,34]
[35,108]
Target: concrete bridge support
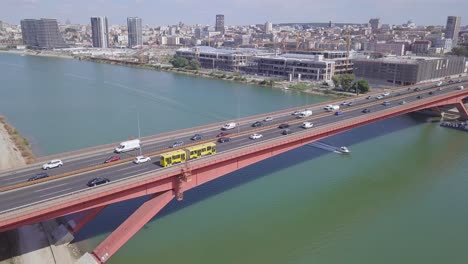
[128,228]
[75,225]
[462,110]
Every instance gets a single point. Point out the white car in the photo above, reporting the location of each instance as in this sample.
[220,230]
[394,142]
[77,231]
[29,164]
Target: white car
[296,113]
[345,103]
[141,159]
[307,125]
[379,97]
[386,93]
[256,136]
[268,119]
[52,164]
[460,87]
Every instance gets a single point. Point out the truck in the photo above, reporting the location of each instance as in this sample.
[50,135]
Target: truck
[305,113]
[128,146]
[331,108]
[229,126]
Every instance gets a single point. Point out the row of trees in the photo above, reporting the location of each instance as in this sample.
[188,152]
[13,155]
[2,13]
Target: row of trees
[461,50]
[347,82]
[180,62]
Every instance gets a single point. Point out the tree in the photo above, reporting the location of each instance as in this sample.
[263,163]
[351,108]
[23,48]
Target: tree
[460,51]
[362,86]
[193,64]
[179,62]
[336,80]
[346,81]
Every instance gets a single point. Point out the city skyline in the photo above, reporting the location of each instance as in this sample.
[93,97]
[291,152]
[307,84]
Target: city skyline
[240,12]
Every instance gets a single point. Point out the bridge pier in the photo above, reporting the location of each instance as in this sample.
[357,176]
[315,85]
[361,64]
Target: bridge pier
[128,228]
[462,110]
[75,225]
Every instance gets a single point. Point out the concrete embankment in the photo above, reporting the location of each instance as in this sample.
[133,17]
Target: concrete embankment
[32,244]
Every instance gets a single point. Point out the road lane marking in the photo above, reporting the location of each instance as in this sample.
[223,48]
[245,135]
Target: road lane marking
[53,193]
[17,181]
[51,187]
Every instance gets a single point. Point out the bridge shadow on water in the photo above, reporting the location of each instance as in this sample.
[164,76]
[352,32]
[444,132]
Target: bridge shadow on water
[115,214]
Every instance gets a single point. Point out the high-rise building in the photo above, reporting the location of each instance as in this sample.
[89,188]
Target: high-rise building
[100,32]
[135,35]
[453,28]
[219,26]
[42,33]
[374,23]
[268,27]
[198,33]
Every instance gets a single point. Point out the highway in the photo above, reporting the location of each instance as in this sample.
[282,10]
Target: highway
[240,138]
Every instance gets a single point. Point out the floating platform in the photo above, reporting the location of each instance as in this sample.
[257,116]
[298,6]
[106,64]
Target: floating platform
[463,126]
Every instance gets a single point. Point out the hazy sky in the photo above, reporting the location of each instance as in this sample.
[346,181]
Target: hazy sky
[237,12]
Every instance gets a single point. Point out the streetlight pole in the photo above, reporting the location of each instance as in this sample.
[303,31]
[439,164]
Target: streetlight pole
[139,133]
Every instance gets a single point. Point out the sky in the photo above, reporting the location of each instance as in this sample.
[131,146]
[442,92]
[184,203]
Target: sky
[237,12]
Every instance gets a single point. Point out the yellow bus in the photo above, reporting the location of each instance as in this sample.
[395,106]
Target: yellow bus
[201,150]
[173,157]
[181,155]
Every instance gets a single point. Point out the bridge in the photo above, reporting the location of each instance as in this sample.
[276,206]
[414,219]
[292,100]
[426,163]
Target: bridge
[65,192]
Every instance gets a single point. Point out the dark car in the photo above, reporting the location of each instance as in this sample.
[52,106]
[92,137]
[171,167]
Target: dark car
[337,113]
[224,139]
[366,110]
[112,159]
[222,134]
[287,131]
[431,93]
[450,81]
[257,124]
[419,97]
[417,89]
[39,176]
[368,97]
[177,144]
[97,181]
[196,137]
[282,126]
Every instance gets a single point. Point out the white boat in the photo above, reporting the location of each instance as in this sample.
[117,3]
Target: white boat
[344,150]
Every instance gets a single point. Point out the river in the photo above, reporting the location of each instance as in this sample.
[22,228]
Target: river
[400,197]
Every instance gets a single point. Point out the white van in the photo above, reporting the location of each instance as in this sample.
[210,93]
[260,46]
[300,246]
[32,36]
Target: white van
[229,126]
[128,146]
[305,113]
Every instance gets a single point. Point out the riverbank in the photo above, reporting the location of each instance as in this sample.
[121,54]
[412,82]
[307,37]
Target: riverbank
[38,53]
[29,244]
[20,148]
[230,76]
[203,73]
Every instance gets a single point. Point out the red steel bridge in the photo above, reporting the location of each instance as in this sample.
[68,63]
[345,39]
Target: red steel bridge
[65,192]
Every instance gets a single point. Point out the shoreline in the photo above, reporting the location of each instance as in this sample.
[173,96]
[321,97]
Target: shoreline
[262,81]
[30,244]
[20,143]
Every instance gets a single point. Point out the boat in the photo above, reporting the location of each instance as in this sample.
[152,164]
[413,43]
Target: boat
[463,126]
[343,150]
